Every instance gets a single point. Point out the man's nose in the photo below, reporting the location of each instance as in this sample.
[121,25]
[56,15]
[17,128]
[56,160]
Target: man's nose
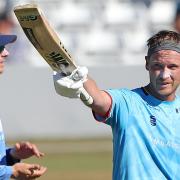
[165,74]
[5,53]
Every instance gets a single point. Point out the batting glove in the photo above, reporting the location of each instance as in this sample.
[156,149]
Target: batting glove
[70,86]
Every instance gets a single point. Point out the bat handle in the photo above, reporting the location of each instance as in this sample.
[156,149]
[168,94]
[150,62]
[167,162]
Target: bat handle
[85,97]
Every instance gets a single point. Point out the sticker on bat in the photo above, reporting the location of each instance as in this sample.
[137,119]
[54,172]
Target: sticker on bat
[29,33]
[58,59]
[28,18]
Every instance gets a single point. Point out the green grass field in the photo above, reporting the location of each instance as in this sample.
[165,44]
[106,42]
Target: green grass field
[88,159]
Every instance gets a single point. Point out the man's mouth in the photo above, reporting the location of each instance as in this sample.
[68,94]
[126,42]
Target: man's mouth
[164,84]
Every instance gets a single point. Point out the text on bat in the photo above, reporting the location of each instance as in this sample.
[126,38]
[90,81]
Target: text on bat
[58,58]
[28,18]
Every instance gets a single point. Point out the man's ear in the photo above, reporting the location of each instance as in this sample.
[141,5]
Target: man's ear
[147,59]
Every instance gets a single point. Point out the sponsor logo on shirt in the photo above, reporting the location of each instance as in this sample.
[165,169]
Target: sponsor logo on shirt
[164,144]
[177,110]
[153,120]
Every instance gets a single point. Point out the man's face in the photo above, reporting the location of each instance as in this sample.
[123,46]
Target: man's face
[3,54]
[164,72]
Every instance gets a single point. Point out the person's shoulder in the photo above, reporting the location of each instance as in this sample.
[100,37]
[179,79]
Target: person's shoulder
[120,90]
[126,91]
[176,102]
[178,98]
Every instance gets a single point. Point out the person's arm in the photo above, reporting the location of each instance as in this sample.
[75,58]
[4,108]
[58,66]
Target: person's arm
[101,100]
[22,171]
[71,86]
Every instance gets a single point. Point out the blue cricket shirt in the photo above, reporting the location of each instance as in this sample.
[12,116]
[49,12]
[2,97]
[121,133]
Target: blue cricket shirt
[146,136]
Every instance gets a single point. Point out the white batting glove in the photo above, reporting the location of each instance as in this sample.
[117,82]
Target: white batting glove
[70,86]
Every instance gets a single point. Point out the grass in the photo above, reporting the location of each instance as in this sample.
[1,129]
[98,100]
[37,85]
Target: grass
[87,159]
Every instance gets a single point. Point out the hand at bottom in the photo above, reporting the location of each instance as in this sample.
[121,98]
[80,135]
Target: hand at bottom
[24,171]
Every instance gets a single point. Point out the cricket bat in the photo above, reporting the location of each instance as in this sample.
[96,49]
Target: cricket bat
[46,41]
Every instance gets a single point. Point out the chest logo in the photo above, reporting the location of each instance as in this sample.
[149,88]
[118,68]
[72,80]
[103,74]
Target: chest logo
[177,110]
[153,120]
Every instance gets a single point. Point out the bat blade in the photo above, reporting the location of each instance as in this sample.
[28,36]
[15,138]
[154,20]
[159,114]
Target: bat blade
[47,42]
[43,37]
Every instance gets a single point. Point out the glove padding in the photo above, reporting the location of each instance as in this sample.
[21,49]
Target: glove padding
[70,86]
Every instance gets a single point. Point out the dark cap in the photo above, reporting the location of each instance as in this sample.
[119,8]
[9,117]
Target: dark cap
[6,39]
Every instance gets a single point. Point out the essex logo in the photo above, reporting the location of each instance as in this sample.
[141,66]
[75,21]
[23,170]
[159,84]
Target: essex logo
[153,120]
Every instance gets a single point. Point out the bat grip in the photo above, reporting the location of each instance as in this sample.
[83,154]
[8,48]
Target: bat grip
[85,97]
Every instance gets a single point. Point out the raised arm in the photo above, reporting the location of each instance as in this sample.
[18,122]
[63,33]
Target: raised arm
[101,100]
[67,86]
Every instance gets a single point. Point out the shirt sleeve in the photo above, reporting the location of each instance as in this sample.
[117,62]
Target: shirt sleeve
[5,172]
[103,118]
[9,159]
[121,103]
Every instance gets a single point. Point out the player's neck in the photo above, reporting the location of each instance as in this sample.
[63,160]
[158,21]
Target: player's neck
[149,90]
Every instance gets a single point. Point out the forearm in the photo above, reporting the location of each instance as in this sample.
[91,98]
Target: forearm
[101,100]
[73,86]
